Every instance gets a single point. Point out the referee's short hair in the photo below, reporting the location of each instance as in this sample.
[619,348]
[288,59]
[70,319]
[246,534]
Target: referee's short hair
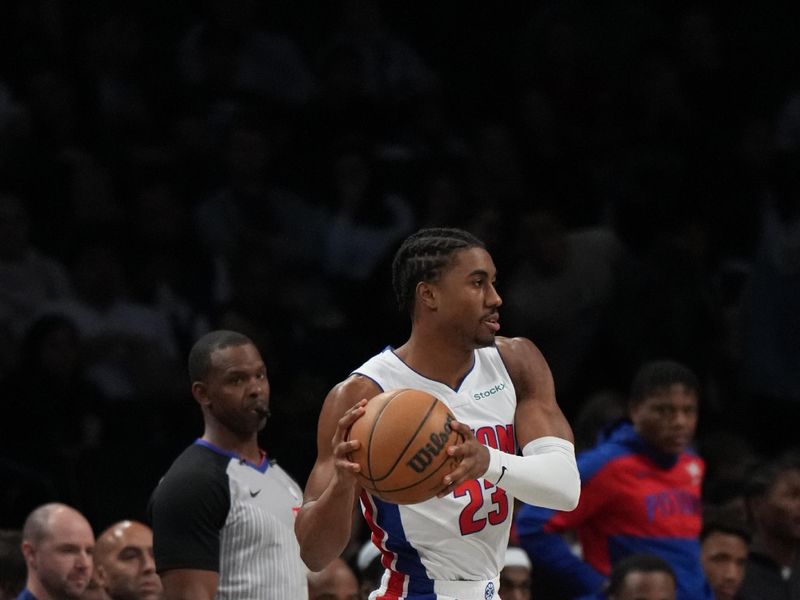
[200,354]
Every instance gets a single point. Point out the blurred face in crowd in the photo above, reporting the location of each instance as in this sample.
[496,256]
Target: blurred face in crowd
[125,566]
[667,419]
[60,563]
[515,583]
[646,585]
[335,582]
[778,513]
[724,558]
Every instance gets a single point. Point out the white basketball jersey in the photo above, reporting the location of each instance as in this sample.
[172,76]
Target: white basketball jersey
[463,536]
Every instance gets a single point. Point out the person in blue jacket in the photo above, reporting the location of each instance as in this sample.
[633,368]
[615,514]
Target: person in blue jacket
[641,494]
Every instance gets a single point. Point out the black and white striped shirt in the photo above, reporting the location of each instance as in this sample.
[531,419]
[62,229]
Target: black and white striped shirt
[214,511]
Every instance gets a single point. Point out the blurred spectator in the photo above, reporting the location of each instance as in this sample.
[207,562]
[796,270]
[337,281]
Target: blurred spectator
[370,569]
[597,413]
[337,581]
[49,387]
[391,69]
[642,577]
[251,211]
[12,564]
[773,503]
[771,310]
[495,175]
[170,271]
[94,591]
[640,493]
[28,279]
[57,542]
[515,577]
[366,220]
[724,545]
[228,49]
[729,456]
[558,292]
[130,348]
[124,564]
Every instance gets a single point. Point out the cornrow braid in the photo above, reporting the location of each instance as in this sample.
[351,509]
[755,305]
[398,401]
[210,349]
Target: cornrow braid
[422,256]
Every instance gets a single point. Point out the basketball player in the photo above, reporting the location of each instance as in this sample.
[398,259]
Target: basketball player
[502,395]
[223,514]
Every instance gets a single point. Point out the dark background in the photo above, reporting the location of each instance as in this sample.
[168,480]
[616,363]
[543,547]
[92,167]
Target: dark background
[167,168]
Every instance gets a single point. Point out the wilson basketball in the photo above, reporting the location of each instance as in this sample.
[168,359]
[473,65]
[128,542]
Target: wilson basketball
[404,435]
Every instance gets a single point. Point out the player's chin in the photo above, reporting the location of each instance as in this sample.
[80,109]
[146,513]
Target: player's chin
[484,340]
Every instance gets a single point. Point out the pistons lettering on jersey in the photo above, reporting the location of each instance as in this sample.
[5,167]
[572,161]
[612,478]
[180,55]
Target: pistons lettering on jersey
[490,392]
[671,502]
[425,455]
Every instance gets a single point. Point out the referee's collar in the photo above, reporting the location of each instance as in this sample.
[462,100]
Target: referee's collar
[262,466]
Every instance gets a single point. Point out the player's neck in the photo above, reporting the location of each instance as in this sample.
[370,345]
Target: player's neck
[437,358]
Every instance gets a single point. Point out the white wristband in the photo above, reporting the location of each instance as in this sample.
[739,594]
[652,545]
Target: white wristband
[546,475]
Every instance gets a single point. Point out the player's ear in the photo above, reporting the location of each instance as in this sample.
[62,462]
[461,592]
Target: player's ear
[200,393]
[426,295]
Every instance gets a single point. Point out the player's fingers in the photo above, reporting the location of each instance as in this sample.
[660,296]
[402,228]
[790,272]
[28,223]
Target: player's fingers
[345,448]
[347,419]
[463,429]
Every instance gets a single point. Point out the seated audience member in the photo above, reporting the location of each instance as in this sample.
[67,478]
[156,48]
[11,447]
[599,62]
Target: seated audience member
[773,504]
[94,591]
[724,542]
[57,542]
[124,564]
[12,564]
[642,577]
[515,578]
[335,582]
[370,568]
[640,494]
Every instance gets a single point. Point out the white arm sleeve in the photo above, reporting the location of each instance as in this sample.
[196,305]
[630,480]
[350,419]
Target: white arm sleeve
[545,475]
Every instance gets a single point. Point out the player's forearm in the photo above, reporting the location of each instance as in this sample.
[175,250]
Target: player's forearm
[546,475]
[323,527]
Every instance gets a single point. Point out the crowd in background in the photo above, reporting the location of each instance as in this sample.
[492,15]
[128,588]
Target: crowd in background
[169,168]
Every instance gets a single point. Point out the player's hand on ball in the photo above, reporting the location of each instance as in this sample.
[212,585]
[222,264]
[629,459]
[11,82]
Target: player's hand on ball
[342,447]
[472,458]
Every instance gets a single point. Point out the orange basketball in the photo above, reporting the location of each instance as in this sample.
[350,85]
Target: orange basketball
[404,435]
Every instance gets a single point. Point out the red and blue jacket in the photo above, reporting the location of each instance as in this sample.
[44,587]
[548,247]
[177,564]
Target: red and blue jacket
[634,499]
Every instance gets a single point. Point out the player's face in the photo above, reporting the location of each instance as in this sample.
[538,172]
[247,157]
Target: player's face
[237,389]
[469,301]
[724,557]
[128,570]
[63,560]
[515,583]
[668,418]
[654,585]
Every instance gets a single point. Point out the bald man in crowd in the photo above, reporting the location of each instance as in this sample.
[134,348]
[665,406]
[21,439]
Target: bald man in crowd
[57,543]
[337,581]
[124,564]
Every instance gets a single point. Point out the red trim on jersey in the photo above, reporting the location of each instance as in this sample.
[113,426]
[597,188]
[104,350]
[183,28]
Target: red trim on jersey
[396,584]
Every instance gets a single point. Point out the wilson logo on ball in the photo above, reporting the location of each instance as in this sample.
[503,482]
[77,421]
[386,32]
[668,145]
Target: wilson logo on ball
[425,455]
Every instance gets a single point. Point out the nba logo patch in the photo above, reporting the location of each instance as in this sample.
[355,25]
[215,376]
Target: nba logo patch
[489,593]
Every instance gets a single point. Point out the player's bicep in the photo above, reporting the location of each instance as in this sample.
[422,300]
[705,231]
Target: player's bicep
[537,413]
[186,584]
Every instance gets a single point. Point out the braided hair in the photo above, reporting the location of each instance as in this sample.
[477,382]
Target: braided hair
[422,257]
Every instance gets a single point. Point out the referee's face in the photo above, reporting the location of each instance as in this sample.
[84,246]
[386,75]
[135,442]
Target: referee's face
[237,389]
